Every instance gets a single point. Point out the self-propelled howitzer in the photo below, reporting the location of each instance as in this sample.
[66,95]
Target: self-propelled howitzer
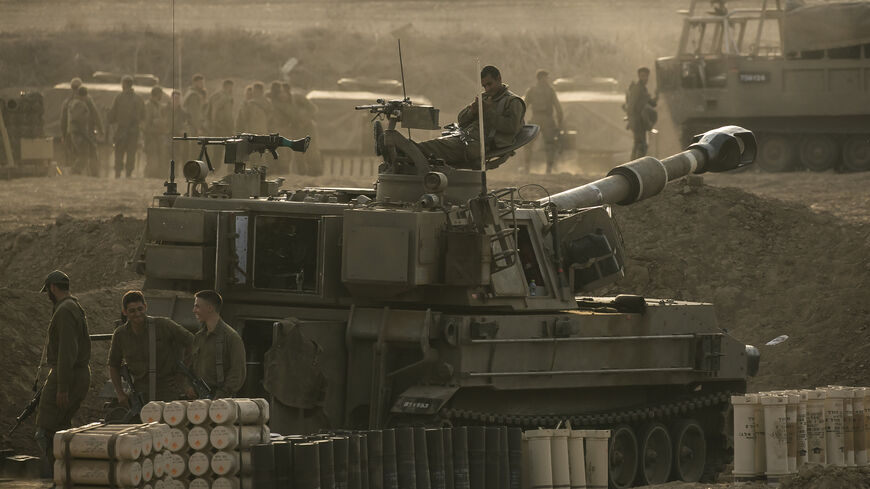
[429,299]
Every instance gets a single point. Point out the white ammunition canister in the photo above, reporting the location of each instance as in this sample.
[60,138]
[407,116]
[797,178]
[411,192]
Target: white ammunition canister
[775,436]
[225,463]
[177,439]
[91,444]
[540,459]
[817,445]
[559,453]
[577,459]
[159,484]
[199,464]
[197,438]
[859,409]
[834,437]
[264,409]
[197,411]
[744,436]
[235,411]
[97,472]
[849,425]
[802,449]
[231,437]
[175,413]
[596,458]
[198,483]
[152,412]
[226,483]
[177,466]
[760,452]
[147,469]
[791,415]
[159,465]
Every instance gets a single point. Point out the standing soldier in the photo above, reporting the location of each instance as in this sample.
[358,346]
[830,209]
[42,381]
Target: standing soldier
[156,132]
[151,347]
[127,112]
[194,104]
[181,123]
[96,120]
[303,124]
[640,109]
[256,112]
[67,353]
[544,103]
[280,120]
[218,355]
[80,135]
[219,117]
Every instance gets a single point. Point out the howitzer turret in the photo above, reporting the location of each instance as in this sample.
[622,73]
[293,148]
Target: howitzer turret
[430,299]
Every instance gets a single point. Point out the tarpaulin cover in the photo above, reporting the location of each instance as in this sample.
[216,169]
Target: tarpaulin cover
[826,26]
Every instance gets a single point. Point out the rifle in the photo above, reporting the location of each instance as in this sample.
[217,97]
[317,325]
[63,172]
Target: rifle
[137,400]
[28,410]
[203,391]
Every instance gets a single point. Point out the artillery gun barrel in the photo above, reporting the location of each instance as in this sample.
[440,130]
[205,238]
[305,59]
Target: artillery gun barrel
[718,150]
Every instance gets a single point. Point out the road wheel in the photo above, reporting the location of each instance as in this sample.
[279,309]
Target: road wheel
[818,152]
[856,153]
[623,457]
[656,450]
[775,153]
[690,450]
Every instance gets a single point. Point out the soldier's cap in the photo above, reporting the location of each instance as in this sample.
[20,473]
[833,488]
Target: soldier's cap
[55,277]
[126,80]
[75,83]
[541,73]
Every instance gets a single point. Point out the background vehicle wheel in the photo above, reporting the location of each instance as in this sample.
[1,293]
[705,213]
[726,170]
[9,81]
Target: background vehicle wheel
[856,153]
[656,455]
[623,457]
[818,152]
[690,450]
[775,153]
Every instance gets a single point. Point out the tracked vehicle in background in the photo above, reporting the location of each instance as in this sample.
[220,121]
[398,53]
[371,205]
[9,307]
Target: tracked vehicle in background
[430,299]
[795,76]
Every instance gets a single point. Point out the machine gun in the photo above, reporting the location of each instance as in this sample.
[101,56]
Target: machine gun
[27,411]
[238,148]
[203,391]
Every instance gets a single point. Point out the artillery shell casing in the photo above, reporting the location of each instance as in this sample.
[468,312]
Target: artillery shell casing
[283,463]
[391,477]
[327,464]
[460,458]
[435,453]
[447,443]
[306,466]
[263,466]
[407,473]
[363,461]
[515,457]
[421,459]
[375,459]
[354,469]
[340,461]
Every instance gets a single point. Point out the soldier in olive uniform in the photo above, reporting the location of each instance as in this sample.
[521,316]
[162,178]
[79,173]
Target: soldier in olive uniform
[639,108]
[545,105]
[128,111]
[195,104]
[302,122]
[503,113]
[256,112]
[80,135]
[181,123]
[218,355]
[67,353]
[156,132]
[96,120]
[133,343]
[219,119]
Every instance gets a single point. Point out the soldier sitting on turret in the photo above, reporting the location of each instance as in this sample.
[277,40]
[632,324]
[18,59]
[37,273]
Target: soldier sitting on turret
[503,113]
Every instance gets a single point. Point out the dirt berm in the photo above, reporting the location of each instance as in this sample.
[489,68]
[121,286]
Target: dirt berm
[770,267]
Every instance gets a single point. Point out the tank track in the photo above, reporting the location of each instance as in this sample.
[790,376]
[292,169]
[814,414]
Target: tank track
[651,412]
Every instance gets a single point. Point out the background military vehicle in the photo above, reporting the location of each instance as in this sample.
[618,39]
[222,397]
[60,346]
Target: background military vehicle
[430,299]
[796,76]
[24,148]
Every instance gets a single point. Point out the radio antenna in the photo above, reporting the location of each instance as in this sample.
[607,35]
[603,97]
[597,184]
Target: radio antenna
[402,71]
